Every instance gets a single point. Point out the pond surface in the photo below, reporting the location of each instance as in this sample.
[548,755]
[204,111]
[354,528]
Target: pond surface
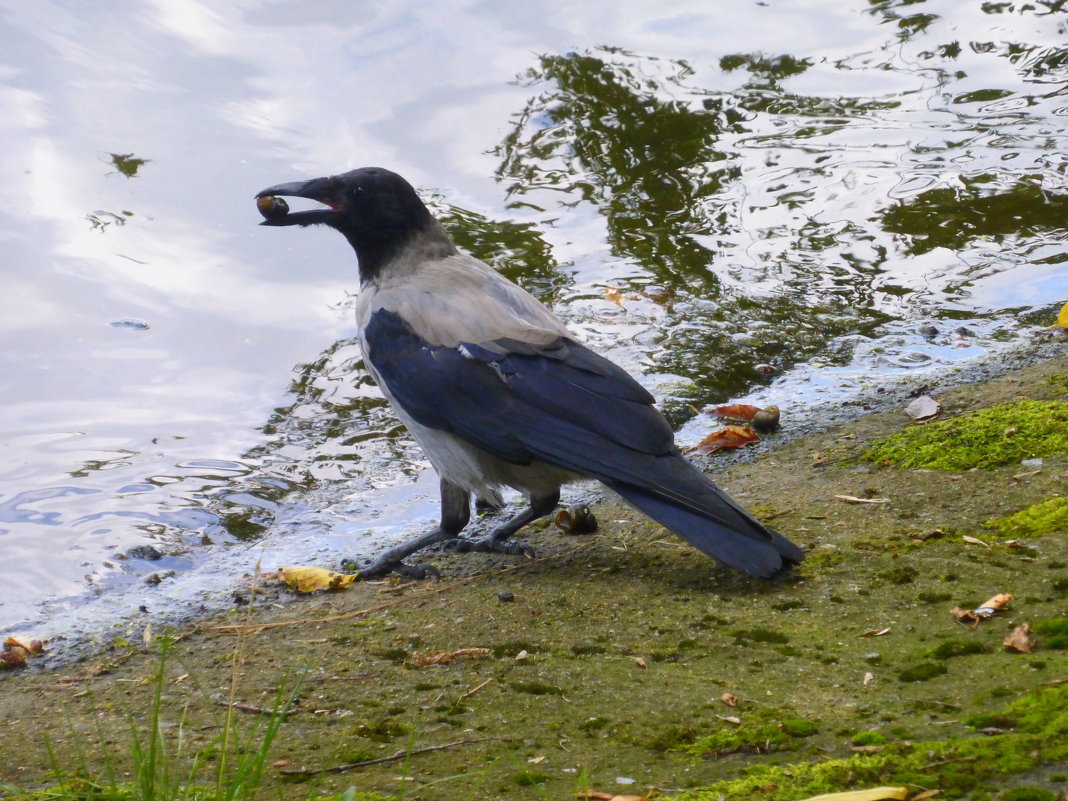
[724,201]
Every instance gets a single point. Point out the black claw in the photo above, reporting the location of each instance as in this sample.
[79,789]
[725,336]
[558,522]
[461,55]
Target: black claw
[491,545]
[418,571]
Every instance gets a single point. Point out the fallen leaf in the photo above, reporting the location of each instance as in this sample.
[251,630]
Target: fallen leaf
[974,541]
[923,408]
[854,499]
[1021,640]
[31,645]
[875,794]
[15,656]
[536,760]
[728,437]
[310,579]
[925,795]
[730,699]
[868,678]
[17,650]
[1062,318]
[448,656]
[613,294]
[640,662]
[280,763]
[983,612]
[874,632]
[736,411]
[995,604]
[737,721]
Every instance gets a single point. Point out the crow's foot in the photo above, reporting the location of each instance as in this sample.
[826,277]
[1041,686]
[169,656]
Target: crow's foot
[383,567]
[491,544]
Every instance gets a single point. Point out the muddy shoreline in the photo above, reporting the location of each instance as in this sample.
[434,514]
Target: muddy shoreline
[610,665]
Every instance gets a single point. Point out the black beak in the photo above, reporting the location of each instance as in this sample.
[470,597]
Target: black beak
[323,190]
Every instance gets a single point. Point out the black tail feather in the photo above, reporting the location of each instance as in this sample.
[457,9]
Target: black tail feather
[710,520]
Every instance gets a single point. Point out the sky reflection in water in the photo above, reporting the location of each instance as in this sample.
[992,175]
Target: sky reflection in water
[769,183]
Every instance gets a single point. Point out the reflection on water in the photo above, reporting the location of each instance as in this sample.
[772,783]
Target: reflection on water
[715,201]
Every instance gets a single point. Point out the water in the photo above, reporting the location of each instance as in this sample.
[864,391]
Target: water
[700,192]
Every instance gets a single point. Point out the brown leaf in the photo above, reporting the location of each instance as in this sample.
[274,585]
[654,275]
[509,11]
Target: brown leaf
[996,604]
[729,437]
[14,655]
[736,411]
[32,646]
[310,579]
[448,656]
[1022,639]
[640,662]
[730,699]
[613,294]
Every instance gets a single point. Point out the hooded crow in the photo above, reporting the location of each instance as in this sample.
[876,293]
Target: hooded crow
[499,393]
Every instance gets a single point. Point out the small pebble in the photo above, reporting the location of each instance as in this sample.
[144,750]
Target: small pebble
[505,597]
[148,552]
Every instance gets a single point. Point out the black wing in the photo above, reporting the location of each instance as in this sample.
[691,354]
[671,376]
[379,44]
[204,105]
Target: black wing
[564,405]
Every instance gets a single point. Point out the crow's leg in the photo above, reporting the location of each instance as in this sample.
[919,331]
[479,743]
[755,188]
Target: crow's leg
[455,512]
[497,540]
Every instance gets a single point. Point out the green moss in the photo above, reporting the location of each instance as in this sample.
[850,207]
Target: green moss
[769,731]
[760,635]
[1042,718]
[529,778]
[1034,521]
[868,738]
[1028,792]
[536,688]
[902,574]
[924,671]
[952,648]
[1051,628]
[934,597]
[382,731]
[999,435]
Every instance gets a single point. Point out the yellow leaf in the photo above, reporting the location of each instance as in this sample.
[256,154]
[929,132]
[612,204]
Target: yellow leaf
[613,294]
[310,579]
[1062,318]
[875,794]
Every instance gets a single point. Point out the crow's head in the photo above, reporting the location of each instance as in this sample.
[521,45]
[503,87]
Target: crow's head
[377,211]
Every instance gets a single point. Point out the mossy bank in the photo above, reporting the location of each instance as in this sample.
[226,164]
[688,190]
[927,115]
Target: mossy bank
[626,662]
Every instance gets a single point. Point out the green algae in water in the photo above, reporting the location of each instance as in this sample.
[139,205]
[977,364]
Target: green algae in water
[1003,434]
[1034,521]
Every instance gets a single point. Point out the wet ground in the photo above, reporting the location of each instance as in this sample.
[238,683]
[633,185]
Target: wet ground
[625,661]
[788,200]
